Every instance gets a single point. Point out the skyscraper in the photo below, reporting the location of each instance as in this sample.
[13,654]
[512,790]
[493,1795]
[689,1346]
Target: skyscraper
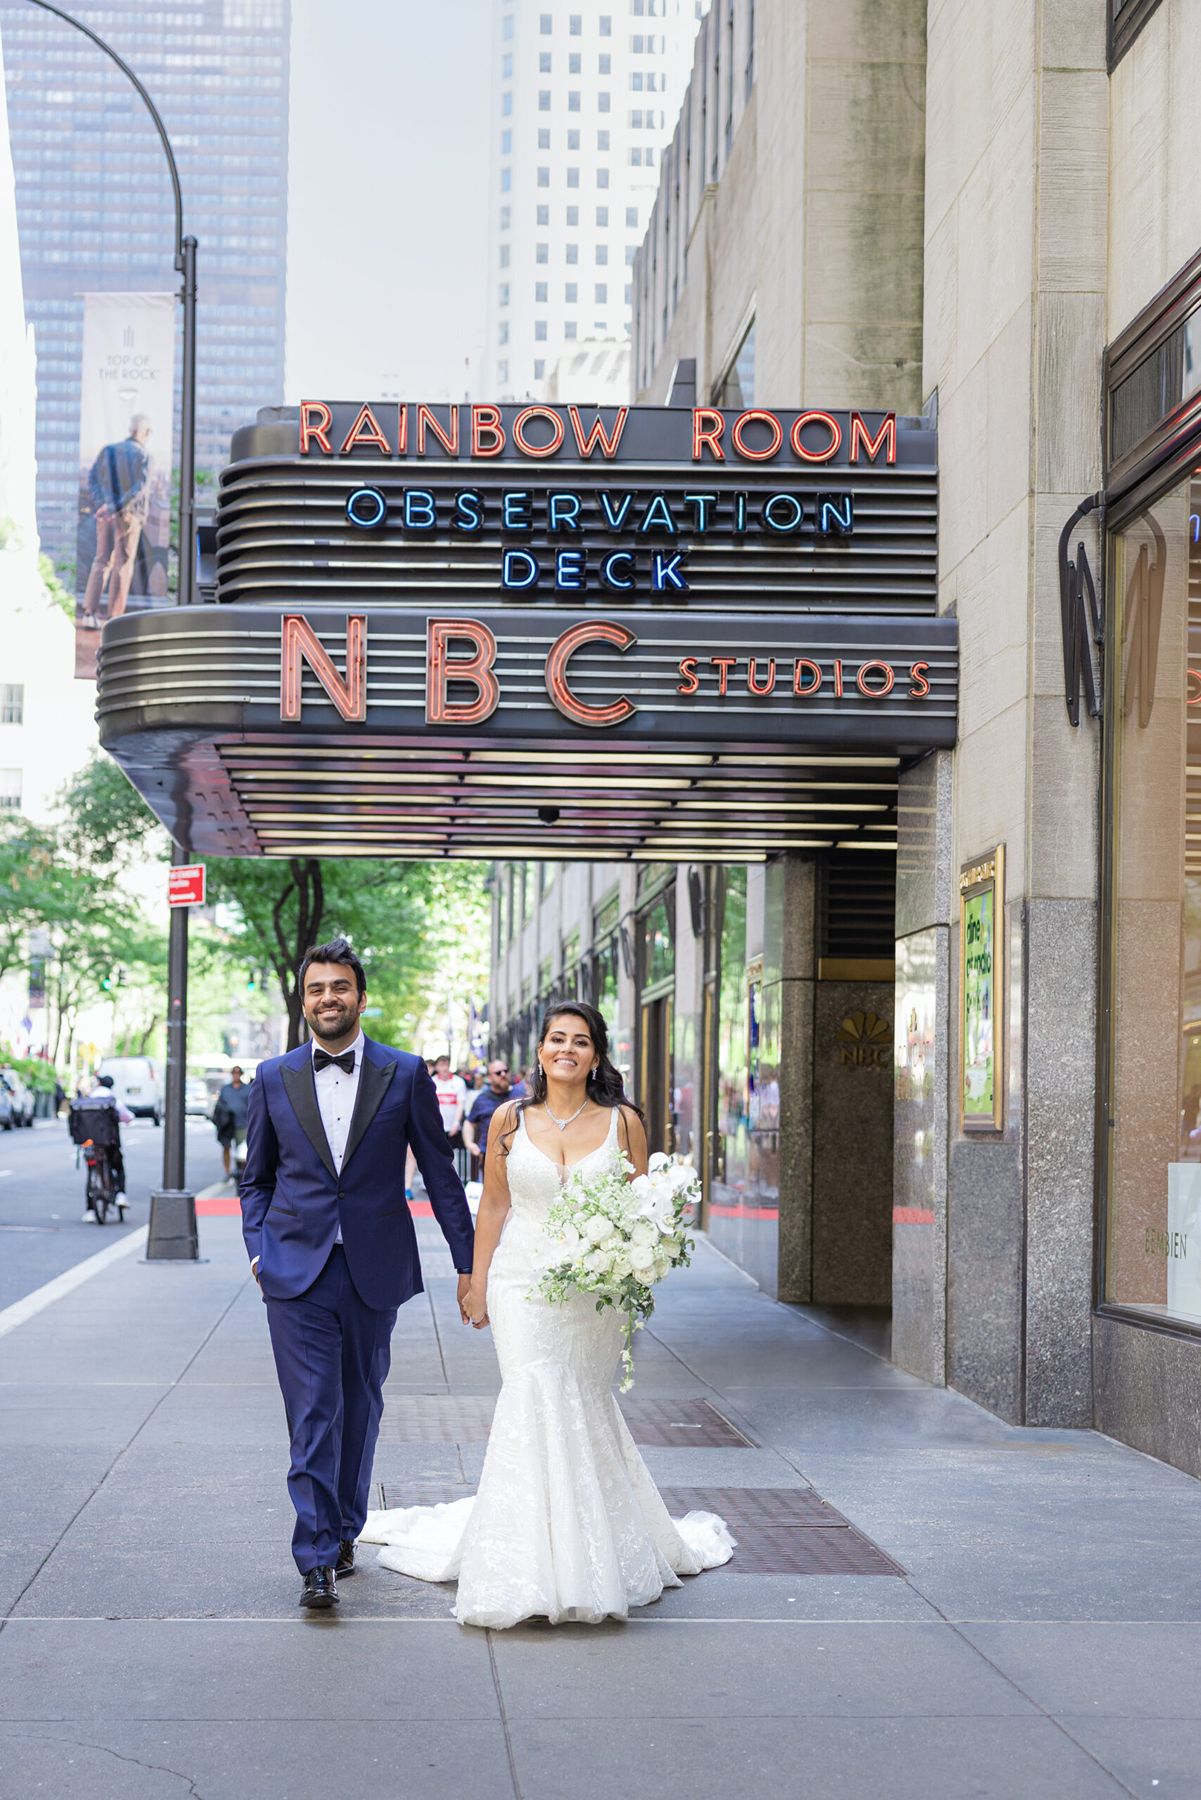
[586,94]
[94,201]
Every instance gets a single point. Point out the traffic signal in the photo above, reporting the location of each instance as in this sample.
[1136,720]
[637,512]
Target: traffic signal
[106,982]
[251,983]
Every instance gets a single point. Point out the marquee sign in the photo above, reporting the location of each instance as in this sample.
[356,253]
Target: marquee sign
[437,629]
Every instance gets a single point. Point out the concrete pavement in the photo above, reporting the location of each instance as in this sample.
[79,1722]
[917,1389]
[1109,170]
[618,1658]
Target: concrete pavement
[1041,1639]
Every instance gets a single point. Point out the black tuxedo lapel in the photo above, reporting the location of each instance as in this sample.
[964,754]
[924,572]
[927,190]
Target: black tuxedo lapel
[302,1092]
[374,1079]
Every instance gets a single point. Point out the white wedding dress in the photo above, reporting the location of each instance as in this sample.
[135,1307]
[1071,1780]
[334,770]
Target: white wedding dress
[567,1523]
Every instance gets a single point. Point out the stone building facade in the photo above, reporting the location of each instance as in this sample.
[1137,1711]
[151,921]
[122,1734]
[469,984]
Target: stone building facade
[982,215]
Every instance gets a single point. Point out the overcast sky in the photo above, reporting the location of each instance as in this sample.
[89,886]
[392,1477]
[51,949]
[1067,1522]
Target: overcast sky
[387,234]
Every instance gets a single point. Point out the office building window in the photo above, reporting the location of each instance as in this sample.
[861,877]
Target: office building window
[573,178]
[737,386]
[604,63]
[503,293]
[544,215]
[506,28]
[602,140]
[540,293]
[602,178]
[539,368]
[506,217]
[606,25]
[573,63]
[571,292]
[602,215]
[504,256]
[543,99]
[573,215]
[545,23]
[506,104]
[502,372]
[10,790]
[569,330]
[541,253]
[602,293]
[544,137]
[573,100]
[543,176]
[502,332]
[506,180]
[631,255]
[575,24]
[12,703]
[572,253]
[602,254]
[506,66]
[506,143]
[544,62]
[540,331]
[604,101]
[573,140]
[632,218]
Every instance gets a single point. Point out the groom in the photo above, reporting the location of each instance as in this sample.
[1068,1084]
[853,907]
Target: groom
[332,1244]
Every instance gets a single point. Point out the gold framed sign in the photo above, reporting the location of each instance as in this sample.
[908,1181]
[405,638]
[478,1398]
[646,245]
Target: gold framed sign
[982,992]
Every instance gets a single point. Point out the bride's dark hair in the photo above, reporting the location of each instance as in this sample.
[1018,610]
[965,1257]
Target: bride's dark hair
[605,1085]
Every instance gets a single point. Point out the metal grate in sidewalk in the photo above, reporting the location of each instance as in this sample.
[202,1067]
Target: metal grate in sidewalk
[785,1531]
[467,1419]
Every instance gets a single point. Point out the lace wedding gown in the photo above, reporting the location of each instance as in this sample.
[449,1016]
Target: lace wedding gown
[567,1523]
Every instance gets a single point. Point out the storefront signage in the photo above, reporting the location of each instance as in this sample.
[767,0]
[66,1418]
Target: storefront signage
[982,989]
[602,673]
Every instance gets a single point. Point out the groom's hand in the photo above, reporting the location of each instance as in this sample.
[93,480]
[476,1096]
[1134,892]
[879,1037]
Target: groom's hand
[461,1297]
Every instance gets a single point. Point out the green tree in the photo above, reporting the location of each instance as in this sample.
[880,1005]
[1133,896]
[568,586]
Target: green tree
[396,914]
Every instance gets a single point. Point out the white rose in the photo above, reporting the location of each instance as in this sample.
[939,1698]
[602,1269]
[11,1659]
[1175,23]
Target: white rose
[644,1233]
[642,1257]
[598,1229]
[622,1266]
[596,1262]
[662,1264]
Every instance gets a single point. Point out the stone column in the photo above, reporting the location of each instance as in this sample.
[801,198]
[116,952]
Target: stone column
[789,993]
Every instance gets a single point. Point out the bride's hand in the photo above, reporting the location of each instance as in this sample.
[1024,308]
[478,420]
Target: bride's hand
[475,1309]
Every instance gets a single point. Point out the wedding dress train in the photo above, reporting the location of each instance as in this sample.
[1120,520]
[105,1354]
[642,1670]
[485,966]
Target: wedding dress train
[567,1523]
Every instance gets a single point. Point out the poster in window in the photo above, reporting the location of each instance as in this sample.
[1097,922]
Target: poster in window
[981,992]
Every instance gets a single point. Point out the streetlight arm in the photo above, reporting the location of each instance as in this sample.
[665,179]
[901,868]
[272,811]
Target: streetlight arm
[151,108]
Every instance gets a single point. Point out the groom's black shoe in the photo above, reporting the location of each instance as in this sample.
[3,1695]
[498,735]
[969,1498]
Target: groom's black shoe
[320,1588]
[345,1563]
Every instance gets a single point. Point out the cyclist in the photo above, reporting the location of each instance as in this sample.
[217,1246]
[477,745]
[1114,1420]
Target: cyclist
[102,1095]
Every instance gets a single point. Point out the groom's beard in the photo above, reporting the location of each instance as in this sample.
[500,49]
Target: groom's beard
[337,1023]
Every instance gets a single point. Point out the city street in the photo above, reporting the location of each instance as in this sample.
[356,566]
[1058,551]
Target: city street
[925,1603]
[42,1232]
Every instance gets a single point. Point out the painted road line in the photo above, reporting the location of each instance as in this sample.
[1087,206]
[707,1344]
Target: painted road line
[34,1303]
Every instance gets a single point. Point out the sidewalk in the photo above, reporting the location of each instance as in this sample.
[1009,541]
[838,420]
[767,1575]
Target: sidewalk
[1031,1626]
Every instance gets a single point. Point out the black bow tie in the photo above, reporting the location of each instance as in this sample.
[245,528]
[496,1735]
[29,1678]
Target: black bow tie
[322,1059]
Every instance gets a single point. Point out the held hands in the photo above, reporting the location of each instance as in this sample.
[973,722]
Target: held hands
[473,1307]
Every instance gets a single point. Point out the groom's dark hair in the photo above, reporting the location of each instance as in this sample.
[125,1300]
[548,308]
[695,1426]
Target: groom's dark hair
[338,950]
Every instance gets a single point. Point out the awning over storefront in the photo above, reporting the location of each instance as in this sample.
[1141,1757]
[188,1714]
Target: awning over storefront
[648,650]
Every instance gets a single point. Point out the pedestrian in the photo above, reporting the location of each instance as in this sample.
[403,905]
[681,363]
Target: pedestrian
[229,1115]
[119,484]
[452,1099]
[498,1089]
[333,1253]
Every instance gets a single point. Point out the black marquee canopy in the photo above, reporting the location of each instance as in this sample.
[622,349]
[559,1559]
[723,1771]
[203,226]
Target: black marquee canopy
[663,633]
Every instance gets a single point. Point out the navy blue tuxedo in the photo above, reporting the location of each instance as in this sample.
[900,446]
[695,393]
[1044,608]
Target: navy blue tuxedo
[293,1199]
[331,1307]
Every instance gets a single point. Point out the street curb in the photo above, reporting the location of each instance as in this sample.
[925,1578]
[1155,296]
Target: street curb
[66,1283]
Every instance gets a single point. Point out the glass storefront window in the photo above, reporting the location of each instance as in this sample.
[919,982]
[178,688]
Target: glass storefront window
[1153,1219]
[657,959]
[733,1040]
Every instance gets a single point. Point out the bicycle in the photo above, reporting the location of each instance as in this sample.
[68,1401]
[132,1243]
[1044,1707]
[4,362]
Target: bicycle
[101,1188]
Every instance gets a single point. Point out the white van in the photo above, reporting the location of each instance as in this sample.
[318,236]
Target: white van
[136,1085]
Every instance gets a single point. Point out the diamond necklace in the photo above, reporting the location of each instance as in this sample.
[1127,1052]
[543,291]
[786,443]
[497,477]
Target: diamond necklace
[564,1123]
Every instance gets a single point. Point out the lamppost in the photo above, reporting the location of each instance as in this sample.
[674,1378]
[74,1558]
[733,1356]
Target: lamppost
[172,1235]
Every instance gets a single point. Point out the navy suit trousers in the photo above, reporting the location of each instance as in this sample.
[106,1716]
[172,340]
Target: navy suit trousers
[332,1354]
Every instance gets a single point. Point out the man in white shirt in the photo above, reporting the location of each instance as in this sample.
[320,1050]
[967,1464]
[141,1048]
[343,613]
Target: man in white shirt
[452,1099]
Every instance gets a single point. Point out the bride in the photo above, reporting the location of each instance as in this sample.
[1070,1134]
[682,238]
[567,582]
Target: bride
[567,1523]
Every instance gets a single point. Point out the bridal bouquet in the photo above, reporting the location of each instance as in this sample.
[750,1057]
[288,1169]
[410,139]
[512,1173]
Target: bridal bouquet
[619,1237]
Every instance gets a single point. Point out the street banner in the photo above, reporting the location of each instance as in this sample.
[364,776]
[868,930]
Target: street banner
[185,885]
[126,417]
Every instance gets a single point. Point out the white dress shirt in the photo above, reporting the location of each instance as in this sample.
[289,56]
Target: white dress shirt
[336,1095]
